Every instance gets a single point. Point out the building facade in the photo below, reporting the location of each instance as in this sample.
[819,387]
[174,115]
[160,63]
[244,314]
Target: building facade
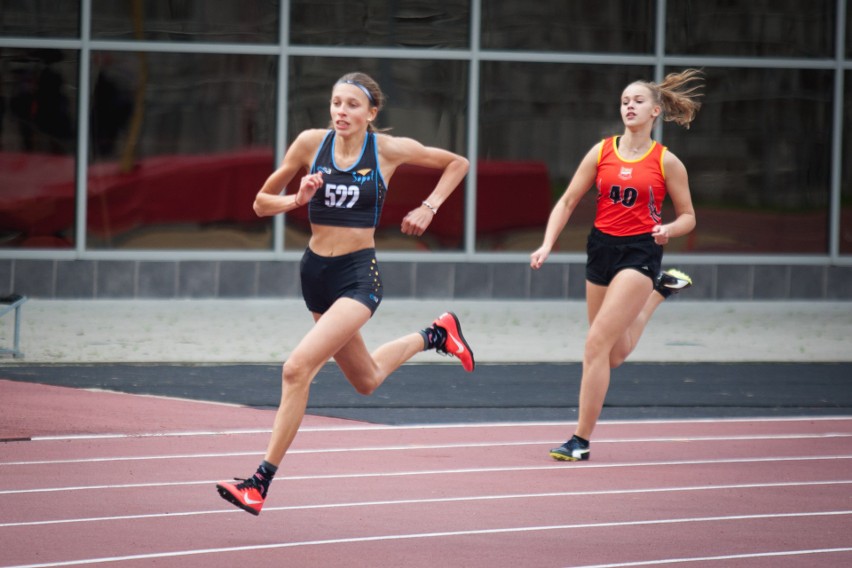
[135,134]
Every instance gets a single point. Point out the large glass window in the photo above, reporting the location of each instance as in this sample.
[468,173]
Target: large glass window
[427,101]
[249,21]
[848,49]
[607,26]
[846,178]
[775,28]
[180,144]
[757,154]
[40,18]
[38,142]
[405,23]
[536,122]
[758,158]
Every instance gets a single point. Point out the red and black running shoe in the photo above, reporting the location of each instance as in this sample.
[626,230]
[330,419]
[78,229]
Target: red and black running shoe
[454,343]
[247,495]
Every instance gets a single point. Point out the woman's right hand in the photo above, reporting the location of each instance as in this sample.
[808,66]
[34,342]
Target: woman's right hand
[308,187]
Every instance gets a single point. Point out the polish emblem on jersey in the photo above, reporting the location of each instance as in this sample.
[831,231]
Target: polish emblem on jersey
[625,173]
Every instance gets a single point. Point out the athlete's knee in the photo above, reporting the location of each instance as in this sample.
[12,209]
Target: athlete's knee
[365,389]
[595,347]
[295,373]
[616,360]
[621,350]
[365,385]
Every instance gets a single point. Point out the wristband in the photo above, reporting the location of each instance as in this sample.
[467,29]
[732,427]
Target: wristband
[296,200]
[432,209]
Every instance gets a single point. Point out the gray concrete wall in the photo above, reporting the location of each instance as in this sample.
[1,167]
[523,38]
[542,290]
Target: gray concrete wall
[102,279]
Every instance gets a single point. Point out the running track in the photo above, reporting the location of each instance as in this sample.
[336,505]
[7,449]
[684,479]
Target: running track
[95,478]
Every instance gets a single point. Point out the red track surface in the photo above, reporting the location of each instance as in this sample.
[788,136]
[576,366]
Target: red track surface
[706,493]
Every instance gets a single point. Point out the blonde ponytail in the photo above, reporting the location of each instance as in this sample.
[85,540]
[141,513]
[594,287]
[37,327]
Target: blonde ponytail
[678,95]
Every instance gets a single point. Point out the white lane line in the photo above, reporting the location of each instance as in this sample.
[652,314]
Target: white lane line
[378,427]
[187,434]
[770,554]
[418,447]
[445,534]
[407,502]
[557,466]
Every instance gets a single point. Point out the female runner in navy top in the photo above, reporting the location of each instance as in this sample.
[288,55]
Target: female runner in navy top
[349,165]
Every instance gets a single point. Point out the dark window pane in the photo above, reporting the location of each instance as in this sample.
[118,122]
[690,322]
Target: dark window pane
[245,21]
[609,26]
[427,101]
[409,23]
[536,122]
[758,157]
[776,28]
[40,18]
[38,141]
[846,183]
[179,146]
[848,34]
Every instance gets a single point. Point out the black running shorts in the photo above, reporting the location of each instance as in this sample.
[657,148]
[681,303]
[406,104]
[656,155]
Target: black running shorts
[607,255]
[354,275]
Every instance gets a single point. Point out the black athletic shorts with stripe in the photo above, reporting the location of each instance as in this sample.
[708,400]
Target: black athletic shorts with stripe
[326,279]
[607,255]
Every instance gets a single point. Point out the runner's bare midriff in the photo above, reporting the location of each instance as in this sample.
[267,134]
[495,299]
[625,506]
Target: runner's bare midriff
[337,241]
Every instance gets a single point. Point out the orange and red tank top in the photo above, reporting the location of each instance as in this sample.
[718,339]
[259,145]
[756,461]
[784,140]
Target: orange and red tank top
[630,192]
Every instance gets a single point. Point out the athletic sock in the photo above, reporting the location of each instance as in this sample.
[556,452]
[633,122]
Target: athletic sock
[433,337]
[264,475]
[268,469]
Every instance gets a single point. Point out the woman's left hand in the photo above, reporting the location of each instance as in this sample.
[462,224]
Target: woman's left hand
[417,221]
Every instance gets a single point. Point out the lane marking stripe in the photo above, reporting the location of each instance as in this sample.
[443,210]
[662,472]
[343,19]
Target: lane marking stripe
[417,447]
[370,427]
[436,500]
[719,558]
[446,534]
[560,467]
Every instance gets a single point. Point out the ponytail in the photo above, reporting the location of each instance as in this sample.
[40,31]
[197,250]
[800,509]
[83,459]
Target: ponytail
[678,95]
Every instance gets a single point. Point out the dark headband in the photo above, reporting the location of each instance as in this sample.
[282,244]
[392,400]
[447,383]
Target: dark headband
[360,86]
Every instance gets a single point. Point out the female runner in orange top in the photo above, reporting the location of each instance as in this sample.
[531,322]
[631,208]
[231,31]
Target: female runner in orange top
[624,283]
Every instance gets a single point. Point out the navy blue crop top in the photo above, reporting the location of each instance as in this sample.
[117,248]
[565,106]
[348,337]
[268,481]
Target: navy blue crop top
[352,197]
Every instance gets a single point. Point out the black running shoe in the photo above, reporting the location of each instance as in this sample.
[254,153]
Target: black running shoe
[672,281]
[572,450]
